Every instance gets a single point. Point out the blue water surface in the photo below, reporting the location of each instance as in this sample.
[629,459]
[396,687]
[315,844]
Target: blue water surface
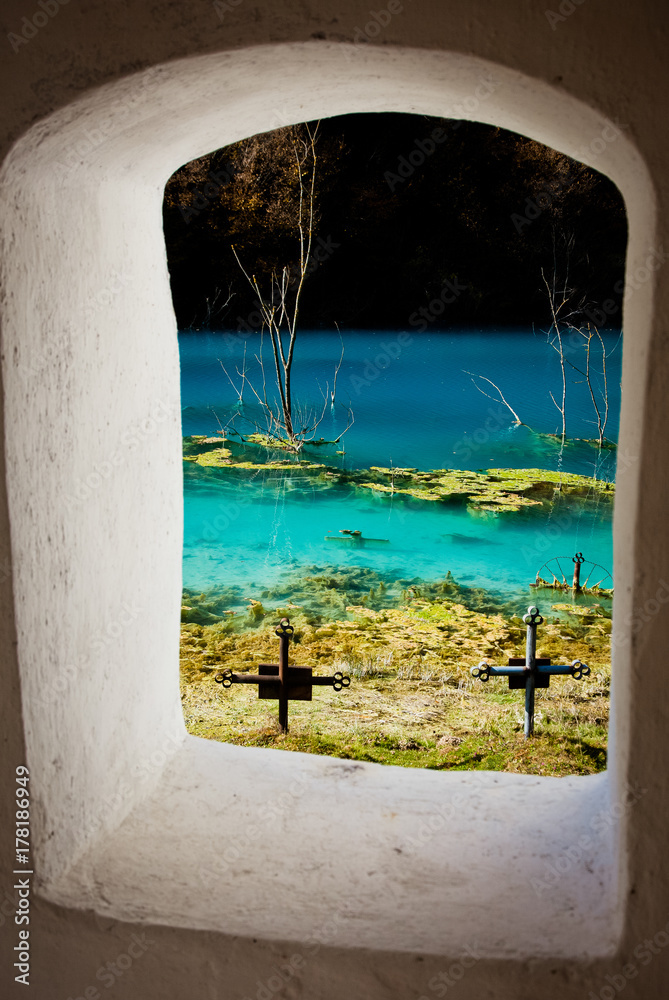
[414,405]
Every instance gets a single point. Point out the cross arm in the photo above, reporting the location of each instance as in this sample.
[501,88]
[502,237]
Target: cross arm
[484,671]
[227,678]
[576,668]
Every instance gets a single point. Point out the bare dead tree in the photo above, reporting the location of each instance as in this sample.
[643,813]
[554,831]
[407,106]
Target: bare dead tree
[558,302]
[563,310]
[601,405]
[566,313]
[603,414]
[333,391]
[242,375]
[285,422]
[214,306]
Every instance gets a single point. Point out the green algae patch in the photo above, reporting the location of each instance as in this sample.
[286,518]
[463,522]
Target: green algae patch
[494,491]
[484,493]
[413,491]
[545,483]
[216,458]
[393,473]
[214,453]
[277,465]
[283,444]
[269,442]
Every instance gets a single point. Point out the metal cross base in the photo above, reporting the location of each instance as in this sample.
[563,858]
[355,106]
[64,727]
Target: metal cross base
[278,680]
[529,672]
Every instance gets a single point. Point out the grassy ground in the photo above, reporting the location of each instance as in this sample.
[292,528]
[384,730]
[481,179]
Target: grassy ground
[412,701]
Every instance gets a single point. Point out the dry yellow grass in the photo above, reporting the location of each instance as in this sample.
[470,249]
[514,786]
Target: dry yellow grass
[412,700]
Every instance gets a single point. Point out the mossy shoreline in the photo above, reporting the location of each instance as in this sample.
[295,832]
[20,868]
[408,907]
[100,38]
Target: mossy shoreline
[409,649]
[484,493]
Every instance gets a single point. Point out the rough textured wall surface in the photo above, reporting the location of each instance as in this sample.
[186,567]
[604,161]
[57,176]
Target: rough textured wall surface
[610,55]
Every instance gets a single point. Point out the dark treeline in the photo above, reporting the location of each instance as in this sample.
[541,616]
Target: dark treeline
[411,212]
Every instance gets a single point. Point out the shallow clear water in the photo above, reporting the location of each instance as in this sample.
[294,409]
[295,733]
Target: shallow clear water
[413,406]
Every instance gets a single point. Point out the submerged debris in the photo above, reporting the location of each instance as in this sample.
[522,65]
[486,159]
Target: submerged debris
[583,577]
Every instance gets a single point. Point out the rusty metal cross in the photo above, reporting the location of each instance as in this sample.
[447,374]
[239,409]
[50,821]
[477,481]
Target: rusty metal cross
[281,681]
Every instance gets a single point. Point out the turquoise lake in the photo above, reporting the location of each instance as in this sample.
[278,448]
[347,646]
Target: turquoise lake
[414,405]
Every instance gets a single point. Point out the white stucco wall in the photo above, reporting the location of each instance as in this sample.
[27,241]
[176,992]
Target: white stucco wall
[130,815]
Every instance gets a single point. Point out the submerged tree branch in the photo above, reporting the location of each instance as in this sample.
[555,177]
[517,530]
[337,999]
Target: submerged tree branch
[502,399]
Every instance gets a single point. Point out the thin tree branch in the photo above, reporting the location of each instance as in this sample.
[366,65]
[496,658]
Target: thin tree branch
[501,399]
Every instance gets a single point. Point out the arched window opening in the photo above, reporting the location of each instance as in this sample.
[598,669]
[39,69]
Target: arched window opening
[453,293]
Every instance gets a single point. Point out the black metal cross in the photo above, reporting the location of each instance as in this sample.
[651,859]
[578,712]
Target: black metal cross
[281,681]
[529,672]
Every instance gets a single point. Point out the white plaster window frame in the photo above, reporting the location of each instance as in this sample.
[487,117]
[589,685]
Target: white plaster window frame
[133,818]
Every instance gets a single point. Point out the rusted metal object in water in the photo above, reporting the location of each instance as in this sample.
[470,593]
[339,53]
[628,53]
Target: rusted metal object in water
[355,538]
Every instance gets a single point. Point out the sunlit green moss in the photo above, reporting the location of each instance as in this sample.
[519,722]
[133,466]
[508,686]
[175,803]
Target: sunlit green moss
[216,457]
[486,494]
[495,491]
